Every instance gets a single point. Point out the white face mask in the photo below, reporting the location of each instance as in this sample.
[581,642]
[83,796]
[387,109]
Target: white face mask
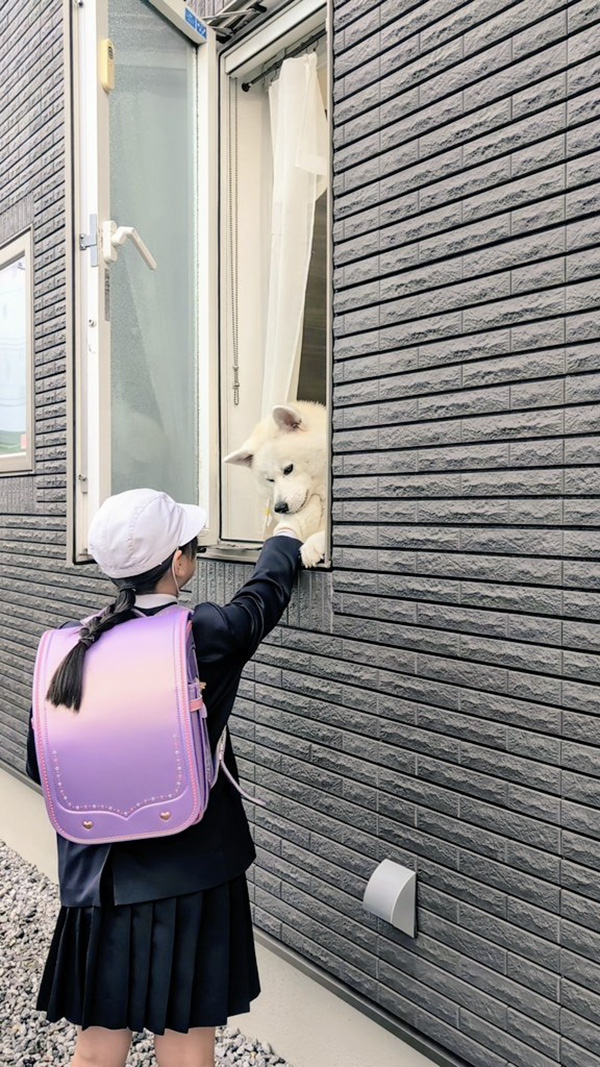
[175,579]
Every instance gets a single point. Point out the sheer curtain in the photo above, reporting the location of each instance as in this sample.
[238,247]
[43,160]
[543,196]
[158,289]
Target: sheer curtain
[300,136]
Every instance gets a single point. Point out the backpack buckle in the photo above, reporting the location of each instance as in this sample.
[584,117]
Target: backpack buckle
[195,689]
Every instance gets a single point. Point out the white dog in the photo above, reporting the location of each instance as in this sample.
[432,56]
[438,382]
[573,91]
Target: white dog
[287,455]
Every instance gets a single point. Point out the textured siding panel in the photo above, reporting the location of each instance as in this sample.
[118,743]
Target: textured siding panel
[37,588]
[448,718]
[434,699]
[466,494]
[31,141]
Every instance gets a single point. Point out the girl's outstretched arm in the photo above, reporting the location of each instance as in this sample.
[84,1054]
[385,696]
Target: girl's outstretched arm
[236,630]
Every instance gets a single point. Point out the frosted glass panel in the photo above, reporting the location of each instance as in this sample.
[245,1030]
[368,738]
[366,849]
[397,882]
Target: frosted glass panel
[153,313]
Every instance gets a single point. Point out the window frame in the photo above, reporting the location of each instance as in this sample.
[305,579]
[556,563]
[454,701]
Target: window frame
[89,192]
[90,206]
[18,247]
[281,29]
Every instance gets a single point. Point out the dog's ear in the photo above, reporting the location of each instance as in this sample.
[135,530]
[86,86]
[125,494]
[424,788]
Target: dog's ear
[287,417]
[243,456]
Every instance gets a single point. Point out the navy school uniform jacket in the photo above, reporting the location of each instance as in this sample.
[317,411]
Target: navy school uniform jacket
[220,846]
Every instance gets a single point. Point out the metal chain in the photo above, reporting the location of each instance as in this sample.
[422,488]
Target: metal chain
[233,186]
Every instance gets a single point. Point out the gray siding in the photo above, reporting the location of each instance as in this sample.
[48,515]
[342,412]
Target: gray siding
[32,506]
[466,507]
[446,717]
[434,699]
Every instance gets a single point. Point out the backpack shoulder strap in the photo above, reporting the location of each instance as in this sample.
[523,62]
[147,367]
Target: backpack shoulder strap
[220,763]
[196,703]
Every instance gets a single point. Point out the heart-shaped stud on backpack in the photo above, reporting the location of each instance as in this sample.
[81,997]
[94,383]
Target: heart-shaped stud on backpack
[165,815]
[87,824]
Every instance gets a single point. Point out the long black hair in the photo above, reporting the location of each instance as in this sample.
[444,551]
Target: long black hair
[67,682]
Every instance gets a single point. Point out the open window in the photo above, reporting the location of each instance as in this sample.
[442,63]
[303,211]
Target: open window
[177,288]
[273,239]
[136,216]
[16,356]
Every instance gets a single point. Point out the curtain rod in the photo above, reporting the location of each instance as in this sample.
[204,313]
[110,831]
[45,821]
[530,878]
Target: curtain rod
[246,86]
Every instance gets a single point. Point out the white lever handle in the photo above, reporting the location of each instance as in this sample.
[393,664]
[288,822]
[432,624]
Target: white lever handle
[113,236]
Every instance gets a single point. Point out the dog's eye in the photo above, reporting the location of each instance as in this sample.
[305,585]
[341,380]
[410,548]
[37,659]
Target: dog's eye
[269,479]
[288,470]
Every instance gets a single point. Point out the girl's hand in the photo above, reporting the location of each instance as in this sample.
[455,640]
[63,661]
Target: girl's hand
[290,526]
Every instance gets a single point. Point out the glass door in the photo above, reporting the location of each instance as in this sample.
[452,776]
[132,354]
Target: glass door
[136,304]
[150,289]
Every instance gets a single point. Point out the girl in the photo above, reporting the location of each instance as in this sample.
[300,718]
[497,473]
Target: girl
[156,934]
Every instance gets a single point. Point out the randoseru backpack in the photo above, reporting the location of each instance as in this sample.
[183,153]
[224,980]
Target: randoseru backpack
[135,760]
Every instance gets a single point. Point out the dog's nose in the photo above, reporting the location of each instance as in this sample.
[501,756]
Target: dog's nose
[281,507]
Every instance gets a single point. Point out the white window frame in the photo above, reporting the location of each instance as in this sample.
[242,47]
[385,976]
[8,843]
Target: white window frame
[18,248]
[89,416]
[282,29]
[91,206]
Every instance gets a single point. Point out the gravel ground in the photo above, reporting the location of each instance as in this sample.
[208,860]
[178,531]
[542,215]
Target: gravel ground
[28,908]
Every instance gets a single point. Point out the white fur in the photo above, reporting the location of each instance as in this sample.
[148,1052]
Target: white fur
[292,435]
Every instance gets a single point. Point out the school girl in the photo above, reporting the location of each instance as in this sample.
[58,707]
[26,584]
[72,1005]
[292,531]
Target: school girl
[156,934]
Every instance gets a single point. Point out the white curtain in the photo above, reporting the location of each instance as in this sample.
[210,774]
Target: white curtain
[299,134]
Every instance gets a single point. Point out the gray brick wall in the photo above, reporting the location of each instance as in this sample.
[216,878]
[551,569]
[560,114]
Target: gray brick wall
[32,529]
[434,698]
[466,509]
[37,588]
[446,718]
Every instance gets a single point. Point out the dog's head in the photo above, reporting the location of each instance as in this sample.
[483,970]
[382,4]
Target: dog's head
[287,457]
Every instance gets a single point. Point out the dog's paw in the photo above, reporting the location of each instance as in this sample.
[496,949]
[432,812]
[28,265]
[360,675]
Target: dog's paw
[313,549]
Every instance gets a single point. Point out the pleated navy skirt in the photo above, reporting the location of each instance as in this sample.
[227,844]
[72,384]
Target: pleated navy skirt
[169,964]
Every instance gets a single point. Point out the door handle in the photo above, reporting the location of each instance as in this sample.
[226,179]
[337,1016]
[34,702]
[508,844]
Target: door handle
[114,236]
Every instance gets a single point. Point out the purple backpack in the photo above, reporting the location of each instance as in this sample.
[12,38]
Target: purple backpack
[135,760]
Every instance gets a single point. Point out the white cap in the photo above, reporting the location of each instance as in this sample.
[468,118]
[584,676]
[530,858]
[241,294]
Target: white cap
[134,531]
